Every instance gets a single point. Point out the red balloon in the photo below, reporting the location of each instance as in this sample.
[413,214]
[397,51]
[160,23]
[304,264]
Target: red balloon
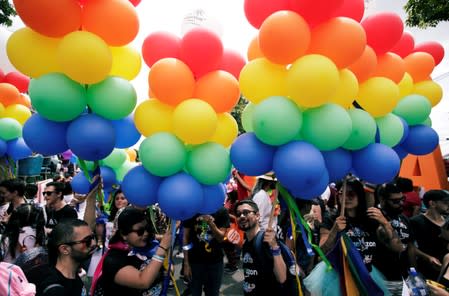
[18,80]
[383,31]
[404,46]
[159,45]
[201,50]
[256,11]
[435,49]
[351,8]
[232,62]
[315,11]
[135,2]
[2,76]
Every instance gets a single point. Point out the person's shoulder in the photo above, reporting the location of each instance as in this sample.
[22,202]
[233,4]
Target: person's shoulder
[51,281]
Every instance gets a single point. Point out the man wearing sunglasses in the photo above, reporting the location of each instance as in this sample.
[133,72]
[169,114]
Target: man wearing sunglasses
[56,208]
[70,244]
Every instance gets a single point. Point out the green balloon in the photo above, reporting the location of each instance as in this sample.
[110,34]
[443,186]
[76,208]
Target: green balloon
[276,120]
[113,98]
[327,127]
[121,172]
[414,109]
[10,129]
[247,117]
[57,97]
[363,130]
[90,165]
[162,154]
[391,129]
[116,159]
[209,163]
[427,122]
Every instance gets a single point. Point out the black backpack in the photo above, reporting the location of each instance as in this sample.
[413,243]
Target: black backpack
[263,256]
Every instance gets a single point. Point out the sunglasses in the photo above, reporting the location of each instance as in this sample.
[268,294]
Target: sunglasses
[87,241]
[47,193]
[140,231]
[244,213]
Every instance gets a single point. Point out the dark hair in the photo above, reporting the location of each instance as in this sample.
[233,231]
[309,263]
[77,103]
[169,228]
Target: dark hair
[14,185]
[126,220]
[261,184]
[404,184]
[249,202]
[62,233]
[59,187]
[31,191]
[24,215]
[384,191]
[113,208]
[357,187]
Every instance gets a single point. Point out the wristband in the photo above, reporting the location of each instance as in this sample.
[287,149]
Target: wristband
[276,252]
[187,247]
[158,258]
[165,249]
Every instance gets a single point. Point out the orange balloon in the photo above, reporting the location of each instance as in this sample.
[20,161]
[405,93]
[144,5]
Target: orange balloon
[419,65]
[115,21]
[365,65]
[24,100]
[341,39]
[171,81]
[9,94]
[390,65]
[132,154]
[283,37]
[218,88]
[49,17]
[254,51]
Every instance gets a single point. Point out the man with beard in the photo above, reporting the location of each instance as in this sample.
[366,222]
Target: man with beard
[70,243]
[259,279]
[395,265]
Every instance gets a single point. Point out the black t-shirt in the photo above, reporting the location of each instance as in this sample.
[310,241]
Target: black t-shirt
[427,236]
[394,266]
[55,284]
[116,260]
[54,217]
[206,249]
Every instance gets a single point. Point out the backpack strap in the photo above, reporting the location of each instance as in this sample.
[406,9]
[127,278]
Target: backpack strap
[49,287]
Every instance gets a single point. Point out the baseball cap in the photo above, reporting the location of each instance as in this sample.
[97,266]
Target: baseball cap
[436,195]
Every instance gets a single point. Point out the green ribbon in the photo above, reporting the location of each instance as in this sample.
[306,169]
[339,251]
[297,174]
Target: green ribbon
[85,170]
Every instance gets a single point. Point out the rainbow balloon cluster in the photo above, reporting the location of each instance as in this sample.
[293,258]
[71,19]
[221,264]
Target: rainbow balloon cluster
[78,55]
[331,94]
[14,111]
[193,86]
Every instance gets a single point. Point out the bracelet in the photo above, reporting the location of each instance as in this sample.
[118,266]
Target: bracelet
[187,247]
[276,252]
[158,258]
[165,249]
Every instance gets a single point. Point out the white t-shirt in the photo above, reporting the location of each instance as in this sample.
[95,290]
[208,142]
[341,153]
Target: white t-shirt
[263,201]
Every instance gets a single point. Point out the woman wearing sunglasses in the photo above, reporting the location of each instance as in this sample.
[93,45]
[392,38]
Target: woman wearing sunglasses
[126,272]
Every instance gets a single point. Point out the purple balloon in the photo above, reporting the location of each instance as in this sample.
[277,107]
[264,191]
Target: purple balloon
[66,155]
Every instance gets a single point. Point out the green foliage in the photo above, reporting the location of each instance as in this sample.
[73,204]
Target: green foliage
[237,113]
[6,13]
[426,13]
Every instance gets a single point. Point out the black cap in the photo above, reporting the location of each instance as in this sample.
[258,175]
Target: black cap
[435,195]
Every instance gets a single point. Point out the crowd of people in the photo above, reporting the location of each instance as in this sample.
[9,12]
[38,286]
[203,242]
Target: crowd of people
[74,245]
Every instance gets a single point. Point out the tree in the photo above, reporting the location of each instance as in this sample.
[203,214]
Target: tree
[426,13]
[7,12]
[237,113]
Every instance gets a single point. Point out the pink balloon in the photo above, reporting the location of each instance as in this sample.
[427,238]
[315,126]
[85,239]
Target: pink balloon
[256,11]
[232,62]
[315,11]
[383,31]
[159,45]
[135,2]
[201,50]
[18,80]
[404,46]
[435,49]
[351,8]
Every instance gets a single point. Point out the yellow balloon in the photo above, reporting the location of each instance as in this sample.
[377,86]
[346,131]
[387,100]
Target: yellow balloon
[131,154]
[33,54]
[260,79]
[430,89]
[347,89]
[152,117]
[194,121]
[84,57]
[2,109]
[312,80]
[227,130]
[378,96]
[18,112]
[126,62]
[405,85]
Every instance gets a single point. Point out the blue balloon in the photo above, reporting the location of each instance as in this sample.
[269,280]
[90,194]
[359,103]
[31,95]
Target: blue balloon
[180,196]
[91,137]
[80,184]
[338,163]
[73,159]
[312,192]
[3,147]
[250,156]
[298,164]
[45,136]
[214,197]
[376,163]
[406,130]
[108,176]
[126,133]
[421,140]
[140,186]
[400,151]
[18,149]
